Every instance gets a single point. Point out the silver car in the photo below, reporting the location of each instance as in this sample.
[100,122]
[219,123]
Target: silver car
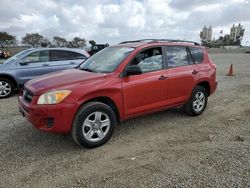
[26,65]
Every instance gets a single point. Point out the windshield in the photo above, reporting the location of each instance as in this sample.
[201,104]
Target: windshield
[15,57]
[107,60]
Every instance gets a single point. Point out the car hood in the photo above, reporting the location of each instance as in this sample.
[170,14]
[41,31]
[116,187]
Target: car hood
[7,66]
[3,66]
[62,80]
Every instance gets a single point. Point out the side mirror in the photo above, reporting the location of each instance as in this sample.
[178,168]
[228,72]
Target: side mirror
[133,70]
[24,62]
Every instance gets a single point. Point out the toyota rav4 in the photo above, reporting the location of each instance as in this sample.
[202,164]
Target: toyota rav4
[123,81]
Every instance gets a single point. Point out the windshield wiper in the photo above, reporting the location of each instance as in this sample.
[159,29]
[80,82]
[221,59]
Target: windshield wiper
[87,69]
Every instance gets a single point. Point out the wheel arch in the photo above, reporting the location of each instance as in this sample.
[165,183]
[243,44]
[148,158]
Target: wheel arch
[206,85]
[11,78]
[106,100]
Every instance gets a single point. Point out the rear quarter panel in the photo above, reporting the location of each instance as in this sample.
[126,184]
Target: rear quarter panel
[207,72]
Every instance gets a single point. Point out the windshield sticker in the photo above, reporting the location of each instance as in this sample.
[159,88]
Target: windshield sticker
[126,49]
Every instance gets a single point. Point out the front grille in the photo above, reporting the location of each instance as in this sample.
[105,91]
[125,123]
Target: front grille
[27,95]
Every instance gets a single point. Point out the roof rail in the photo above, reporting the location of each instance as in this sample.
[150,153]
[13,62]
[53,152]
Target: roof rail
[161,40]
[133,41]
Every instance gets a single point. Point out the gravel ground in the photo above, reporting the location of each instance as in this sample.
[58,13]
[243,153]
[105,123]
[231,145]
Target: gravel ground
[166,149]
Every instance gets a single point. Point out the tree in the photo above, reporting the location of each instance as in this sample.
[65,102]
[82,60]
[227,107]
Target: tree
[77,43]
[7,39]
[45,43]
[33,39]
[60,42]
[92,42]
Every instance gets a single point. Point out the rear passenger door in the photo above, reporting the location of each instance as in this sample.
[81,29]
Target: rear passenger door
[63,59]
[180,73]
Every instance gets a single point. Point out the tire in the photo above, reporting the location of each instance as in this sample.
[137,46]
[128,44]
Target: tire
[93,125]
[6,88]
[198,101]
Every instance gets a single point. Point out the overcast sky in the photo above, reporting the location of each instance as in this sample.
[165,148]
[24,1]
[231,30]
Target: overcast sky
[113,21]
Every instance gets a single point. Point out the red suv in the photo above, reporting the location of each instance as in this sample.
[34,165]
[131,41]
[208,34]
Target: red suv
[130,79]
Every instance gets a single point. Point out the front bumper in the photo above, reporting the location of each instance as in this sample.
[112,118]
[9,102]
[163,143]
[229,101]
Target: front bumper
[50,118]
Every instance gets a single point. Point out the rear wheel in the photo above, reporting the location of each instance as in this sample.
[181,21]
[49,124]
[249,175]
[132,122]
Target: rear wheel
[93,125]
[6,88]
[198,101]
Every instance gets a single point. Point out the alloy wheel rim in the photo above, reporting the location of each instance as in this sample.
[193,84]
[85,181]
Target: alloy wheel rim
[96,126]
[199,101]
[5,89]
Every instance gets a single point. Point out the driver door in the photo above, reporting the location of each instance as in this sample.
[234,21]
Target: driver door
[146,91]
[33,65]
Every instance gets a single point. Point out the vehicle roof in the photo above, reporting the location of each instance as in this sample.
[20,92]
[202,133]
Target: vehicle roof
[153,42]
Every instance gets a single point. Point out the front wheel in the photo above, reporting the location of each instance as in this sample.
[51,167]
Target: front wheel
[198,101]
[93,125]
[6,88]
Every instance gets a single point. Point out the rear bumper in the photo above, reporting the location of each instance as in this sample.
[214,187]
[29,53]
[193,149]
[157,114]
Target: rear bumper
[50,118]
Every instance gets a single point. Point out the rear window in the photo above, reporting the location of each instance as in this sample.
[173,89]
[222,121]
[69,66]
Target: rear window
[197,54]
[61,55]
[76,55]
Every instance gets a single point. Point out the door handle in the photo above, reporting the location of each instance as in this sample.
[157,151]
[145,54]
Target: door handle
[72,63]
[45,65]
[162,77]
[195,72]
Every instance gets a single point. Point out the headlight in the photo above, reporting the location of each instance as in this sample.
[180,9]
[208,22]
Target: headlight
[53,97]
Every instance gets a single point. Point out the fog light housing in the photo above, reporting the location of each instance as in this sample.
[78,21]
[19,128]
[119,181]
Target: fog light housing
[50,122]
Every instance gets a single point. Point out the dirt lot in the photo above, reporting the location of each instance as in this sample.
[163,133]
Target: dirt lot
[167,149]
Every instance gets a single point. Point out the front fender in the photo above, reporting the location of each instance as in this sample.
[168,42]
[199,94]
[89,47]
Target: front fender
[114,94]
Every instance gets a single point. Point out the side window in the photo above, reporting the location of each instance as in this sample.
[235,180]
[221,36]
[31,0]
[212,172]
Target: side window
[149,60]
[60,55]
[197,54]
[76,55]
[177,56]
[40,56]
